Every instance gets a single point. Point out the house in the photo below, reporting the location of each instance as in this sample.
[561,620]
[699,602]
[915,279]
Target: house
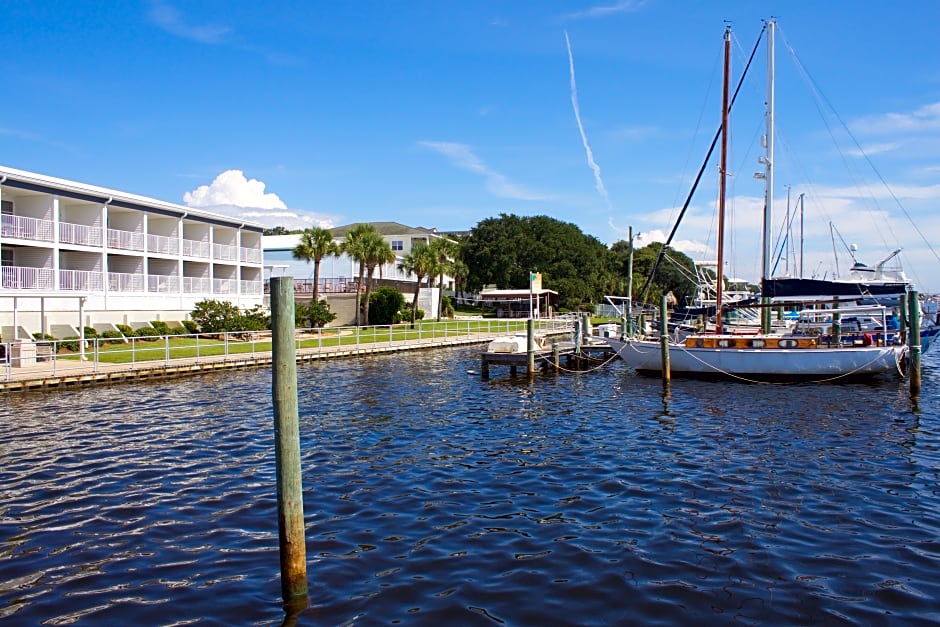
[74,254]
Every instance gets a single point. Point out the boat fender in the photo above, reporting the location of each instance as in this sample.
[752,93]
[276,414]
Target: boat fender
[867,339]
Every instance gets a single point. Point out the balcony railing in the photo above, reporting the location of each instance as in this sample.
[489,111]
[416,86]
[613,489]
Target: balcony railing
[196,285]
[23,227]
[223,252]
[81,280]
[163,245]
[79,234]
[194,248]
[164,284]
[251,255]
[125,240]
[125,282]
[224,286]
[25,278]
[252,288]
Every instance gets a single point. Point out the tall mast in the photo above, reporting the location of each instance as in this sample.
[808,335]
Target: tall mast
[768,172]
[722,172]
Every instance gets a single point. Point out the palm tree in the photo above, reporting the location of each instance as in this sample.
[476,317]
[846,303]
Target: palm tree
[378,253]
[422,263]
[445,250]
[315,244]
[354,247]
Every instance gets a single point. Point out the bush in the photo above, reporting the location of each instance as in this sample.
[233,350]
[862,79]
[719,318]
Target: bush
[190,326]
[126,330]
[70,343]
[160,327]
[90,333]
[447,308]
[314,314]
[39,337]
[113,337]
[384,303]
[214,316]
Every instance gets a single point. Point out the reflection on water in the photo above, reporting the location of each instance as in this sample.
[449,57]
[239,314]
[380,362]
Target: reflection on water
[432,496]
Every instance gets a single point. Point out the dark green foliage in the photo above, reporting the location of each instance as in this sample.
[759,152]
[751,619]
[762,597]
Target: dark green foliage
[504,250]
[676,273]
[43,338]
[70,343]
[126,330]
[447,307]
[160,327]
[190,326]
[313,314]
[90,333]
[113,337]
[215,316]
[384,303]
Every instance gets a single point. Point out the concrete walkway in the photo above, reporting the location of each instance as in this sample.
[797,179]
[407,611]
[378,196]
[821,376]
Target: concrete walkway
[62,373]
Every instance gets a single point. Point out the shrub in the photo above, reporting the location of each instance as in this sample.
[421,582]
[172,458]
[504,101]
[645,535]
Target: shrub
[70,343]
[190,326]
[314,314]
[384,303]
[447,308]
[43,337]
[214,316]
[90,333]
[160,327]
[126,330]
[113,337]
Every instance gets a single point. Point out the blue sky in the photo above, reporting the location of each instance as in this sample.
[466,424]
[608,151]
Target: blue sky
[441,114]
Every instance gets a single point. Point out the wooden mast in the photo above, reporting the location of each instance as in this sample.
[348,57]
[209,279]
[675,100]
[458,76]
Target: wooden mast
[722,182]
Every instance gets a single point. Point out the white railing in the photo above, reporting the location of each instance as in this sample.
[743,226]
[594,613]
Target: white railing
[62,357]
[81,280]
[252,288]
[224,286]
[24,278]
[23,227]
[223,252]
[79,234]
[125,240]
[163,245]
[196,285]
[125,282]
[163,284]
[251,255]
[194,248]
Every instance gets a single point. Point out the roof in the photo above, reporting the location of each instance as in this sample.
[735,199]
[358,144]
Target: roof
[50,185]
[385,228]
[505,294]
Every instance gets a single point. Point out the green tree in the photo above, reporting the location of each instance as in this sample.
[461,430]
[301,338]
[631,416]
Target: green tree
[676,273]
[504,250]
[356,246]
[215,316]
[385,303]
[378,253]
[446,251]
[422,263]
[315,244]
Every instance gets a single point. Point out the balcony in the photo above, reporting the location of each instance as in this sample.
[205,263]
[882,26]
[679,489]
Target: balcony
[194,248]
[81,281]
[163,245]
[252,288]
[163,284]
[79,234]
[222,252]
[125,282]
[196,285]
[24,278]
[125,240]
[22,227]
[224,286]
[251,255]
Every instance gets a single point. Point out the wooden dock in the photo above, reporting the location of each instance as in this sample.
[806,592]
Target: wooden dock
[562,355]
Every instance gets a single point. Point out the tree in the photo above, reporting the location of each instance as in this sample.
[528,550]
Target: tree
[445,250]
[315,314]
[315,244]
[504,250]
[219,316]
[386,302]
[355,246]
[676,273]
[378,253]
[422,263]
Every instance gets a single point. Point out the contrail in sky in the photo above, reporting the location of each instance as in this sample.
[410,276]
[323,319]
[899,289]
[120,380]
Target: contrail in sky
[598,181]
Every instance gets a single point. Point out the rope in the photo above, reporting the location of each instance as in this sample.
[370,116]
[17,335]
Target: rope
[597,367]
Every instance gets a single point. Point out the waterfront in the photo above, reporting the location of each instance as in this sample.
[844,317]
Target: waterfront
[434,497]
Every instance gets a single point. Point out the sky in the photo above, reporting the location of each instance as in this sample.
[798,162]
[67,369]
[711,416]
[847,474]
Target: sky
[442,114]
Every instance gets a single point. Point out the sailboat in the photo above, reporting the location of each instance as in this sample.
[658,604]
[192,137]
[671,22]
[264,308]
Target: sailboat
[763,355]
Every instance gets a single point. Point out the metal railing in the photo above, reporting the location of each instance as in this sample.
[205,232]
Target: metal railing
[27,360]
[79,234]
[24,227]
[163,245]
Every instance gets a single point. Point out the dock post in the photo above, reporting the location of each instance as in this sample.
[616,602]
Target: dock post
[556,356]
[836,323]
[913,312]
[290,505]
[530,347]
[664,339]
[484,367]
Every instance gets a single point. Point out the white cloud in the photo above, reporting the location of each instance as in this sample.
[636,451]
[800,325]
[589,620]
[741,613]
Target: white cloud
[233,195]
[463,157]
[620,6]
[925,118]
[169,19]
[232,188]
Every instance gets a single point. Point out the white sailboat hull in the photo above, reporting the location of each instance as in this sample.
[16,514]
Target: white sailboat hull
[646,356]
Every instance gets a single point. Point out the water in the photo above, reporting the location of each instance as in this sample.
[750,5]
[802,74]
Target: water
[433,497]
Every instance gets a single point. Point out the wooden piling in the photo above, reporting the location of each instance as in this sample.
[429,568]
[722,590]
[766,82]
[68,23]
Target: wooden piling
[530,347]
[290,506]
[484,367]
[556,357]
[913,312]
[664,339]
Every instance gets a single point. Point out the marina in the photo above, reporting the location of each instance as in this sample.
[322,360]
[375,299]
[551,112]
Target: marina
[431,496]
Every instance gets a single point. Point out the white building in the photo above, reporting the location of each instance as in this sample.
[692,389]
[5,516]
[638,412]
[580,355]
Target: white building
[73,254]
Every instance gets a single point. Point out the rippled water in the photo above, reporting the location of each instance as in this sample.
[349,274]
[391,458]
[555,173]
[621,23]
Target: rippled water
[434,497]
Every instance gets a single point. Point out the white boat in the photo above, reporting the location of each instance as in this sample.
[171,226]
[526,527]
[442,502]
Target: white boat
[761,355]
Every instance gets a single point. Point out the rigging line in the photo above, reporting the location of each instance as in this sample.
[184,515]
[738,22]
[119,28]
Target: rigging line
[868,160]
[701,171]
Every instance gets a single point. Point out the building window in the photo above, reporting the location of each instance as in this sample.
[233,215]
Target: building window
[398,244]
[6,257]
[6,207]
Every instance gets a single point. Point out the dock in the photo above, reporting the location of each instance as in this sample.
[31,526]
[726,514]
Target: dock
[576,358]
